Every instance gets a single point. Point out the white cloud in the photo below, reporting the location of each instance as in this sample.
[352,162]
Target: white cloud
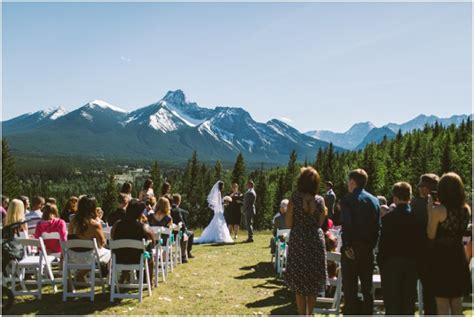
[285,119]
[125,59]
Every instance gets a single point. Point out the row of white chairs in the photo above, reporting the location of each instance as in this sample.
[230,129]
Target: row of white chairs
[39,263]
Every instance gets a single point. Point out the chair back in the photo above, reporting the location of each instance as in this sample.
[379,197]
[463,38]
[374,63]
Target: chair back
[31,245]
[50,236]
[91,251]
[127,244]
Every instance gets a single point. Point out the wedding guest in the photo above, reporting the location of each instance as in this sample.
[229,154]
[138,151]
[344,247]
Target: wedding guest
[250,198]
[99,214]
[51,200]
[84,226]
[181,215]
[120,212]
[130,227]
[447,222]
[70,209]
[427,184]
[397,254]
[161,217]
[147,190]
[4,207]
[127,190]
[165,191]
[35,215]
[384,208]
[306,272]
[26,203]
[150,205]
[279,223]
[330,199]
[16,213]
[360,231]
[51,223]
[234,210]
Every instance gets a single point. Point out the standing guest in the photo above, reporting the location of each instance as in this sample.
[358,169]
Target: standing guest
[330,199]
[161,217]
[16,213]
[360,231]
[84,226]
[130,227]
[26,203]
[181,215]
[165,190]
[447,222]
[120,212]
[147,190]
[4,207]
[249,208]
[279,223]
[306,272]
[328,223]
[398,248]
[127,190]
[35,215]
[384,208]
[150,205]
[51,223]
[70,208]
[234,210]
[428,184]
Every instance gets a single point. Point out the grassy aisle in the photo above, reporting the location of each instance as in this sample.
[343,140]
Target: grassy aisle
[225,279]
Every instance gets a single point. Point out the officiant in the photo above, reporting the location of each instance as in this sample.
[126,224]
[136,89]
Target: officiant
[233,211]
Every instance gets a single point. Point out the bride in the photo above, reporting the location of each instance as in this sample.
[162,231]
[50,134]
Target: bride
[216,231]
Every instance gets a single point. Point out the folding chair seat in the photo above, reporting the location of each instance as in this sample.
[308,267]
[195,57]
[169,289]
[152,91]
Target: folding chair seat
[337,282]
[158,256]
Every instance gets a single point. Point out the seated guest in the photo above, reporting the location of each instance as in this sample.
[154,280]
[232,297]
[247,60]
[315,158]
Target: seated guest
[4,207]
[130,227]
[70,208]
[150,205]
[279,223]
[16,213]
[84,226]
[180,215]
[51,223]
[120,212]
[51,200]
[26,203]
[147,190]
[384,208]
[99,214]
[127,190]
[161,217]
[35,215]
[165,190]
[398,248]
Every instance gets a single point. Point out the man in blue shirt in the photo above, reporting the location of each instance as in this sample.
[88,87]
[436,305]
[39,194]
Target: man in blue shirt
[360,231]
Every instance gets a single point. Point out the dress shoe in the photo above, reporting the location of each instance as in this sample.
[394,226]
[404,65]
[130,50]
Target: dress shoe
[249,240]
[184,260]
[190,256]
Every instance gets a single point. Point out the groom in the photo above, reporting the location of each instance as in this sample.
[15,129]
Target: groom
[249,208]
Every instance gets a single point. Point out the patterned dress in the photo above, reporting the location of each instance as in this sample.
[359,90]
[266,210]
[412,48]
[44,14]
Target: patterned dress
[306,272]
[450,270]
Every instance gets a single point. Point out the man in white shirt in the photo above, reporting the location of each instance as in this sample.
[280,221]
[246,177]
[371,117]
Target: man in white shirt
[35,215]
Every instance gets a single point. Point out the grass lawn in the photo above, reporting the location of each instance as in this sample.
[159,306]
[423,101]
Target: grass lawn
[224,279]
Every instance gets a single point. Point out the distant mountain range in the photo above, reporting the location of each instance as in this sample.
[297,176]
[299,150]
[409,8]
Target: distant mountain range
[168,130]
[361,134]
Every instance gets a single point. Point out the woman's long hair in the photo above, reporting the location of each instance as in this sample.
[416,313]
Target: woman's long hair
[451,191]
[69,204]
[308,183]
[15,212]
[86,211]
[126,188]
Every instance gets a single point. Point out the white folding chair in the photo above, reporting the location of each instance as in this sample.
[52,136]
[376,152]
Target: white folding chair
[167,249]
[282,250]
[75,260]
[52,236]
[158,256]
[117,268]
[177,237]
[35,264]
[337,282]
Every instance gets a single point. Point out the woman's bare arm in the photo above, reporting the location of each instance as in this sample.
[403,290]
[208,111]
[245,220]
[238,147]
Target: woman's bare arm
[436,214]
[289,216]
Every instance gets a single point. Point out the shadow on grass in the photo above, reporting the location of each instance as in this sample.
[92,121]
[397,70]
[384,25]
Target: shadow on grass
[282,298]
[259,270]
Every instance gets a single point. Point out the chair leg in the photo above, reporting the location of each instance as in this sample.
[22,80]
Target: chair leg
[148,282]
[112,285]
[93,282]
[39,282]
[65,280]
[140,283]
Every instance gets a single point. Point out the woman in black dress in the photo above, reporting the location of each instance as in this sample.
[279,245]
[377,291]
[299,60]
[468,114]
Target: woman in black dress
[162,216]
[306,272]
[447,222]
[234,210]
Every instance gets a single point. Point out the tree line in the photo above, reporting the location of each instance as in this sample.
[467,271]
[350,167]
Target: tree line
[435,149]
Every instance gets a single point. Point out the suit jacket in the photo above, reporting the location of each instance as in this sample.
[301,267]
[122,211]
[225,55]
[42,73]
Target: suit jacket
[249,202]
[330,200]
[279,223]
[179,215]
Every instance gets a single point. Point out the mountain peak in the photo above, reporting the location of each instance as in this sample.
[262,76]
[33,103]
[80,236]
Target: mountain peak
[104,105]
[361,127]
[175,97]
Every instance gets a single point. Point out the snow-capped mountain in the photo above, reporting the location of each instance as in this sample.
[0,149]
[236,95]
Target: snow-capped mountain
[361,134]
[169,129]
[34,119]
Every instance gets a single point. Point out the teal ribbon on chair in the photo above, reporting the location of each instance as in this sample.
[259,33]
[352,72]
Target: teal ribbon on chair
[283,245]
[161,241]
[172,238]
[147,255]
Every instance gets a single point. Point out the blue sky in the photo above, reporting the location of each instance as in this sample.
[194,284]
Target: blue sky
[320,65]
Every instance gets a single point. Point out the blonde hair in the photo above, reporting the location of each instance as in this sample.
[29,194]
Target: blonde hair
[163,205]
[15,212]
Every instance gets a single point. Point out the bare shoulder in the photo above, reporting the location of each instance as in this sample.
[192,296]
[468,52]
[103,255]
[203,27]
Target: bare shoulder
[439,212]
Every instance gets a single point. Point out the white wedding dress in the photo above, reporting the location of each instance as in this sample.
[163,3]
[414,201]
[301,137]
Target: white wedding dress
[216,231]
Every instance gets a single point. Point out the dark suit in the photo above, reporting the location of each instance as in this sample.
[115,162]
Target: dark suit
[330,201]
[360,231]
[249,209]
[180,215]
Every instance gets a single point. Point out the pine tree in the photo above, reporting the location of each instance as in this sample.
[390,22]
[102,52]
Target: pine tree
[218,171]
[447,156]
[291,171]
[328,170]
[156,175]
[109,200]
[263,203]
[10,184]
[238,173]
